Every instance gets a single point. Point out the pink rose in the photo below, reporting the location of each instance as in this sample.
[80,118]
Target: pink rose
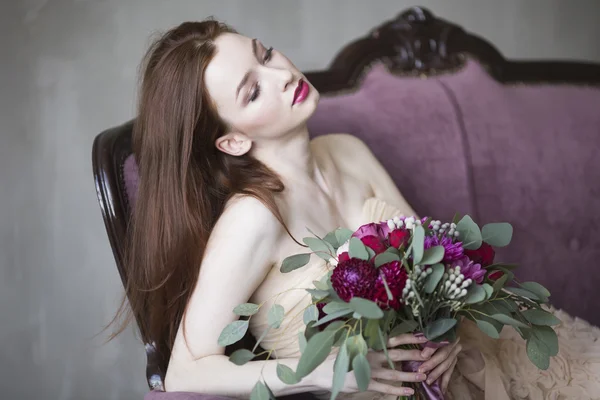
[399,237]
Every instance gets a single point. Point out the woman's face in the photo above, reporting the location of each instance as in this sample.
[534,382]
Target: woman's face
[257,90]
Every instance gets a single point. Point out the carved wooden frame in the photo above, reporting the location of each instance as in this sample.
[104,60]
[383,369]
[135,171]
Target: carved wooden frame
[413,43]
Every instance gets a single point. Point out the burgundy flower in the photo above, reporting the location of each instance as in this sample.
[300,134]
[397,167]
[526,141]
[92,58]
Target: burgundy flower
[452,251]
[376,244]
[395,277]
[345,256]
[379,230]
[353,278]
[470,270]
[495,275]
[399,237]
[483,255]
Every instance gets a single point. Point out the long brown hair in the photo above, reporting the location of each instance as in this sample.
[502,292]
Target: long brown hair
[184,181]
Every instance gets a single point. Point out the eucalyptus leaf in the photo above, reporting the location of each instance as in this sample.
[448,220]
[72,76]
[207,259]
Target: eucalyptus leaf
[548,337]
[301,341]
[418,243]
[540,317]
[246,309]
[384,258]
[488,329]
[320,285]
[538,353]
[469,233]
[439,327]
[522,292]
[286,375]
[332,240]
[357,249]
[331,317]
[233,332]
[340,369]
[489,291]
[536,289]
[366,308]
[505,319]
[362,372]
[357,345]
[343,235]
[383,341]
[388,292]
[316,351]
[275,316]
[432,255]
[294,262]
[434,278]
[318,294]
[500,282]
[336,306]
[497,234]
[475,294]
[456,218]
[407,326]
[320,247]
[260,392]
[393,250]
[371,253]
[311,314]
[241,356]
[370,333]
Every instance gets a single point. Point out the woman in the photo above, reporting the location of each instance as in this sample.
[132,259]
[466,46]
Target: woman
[228,179]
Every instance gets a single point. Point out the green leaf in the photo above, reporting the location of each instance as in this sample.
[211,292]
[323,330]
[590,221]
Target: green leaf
[439,327]
[331,317]
[357,345]
[320,247]
[275,316]
[246,309]
[340,369]
[540,317]
[301,341]
[317,350]
[469,233]
[343,235]
[500,282]
[233,332]
[336,306]
[260,392]
[384,258]
[294,262]
[456,218]
[366,308]
[286,374]
[488,329]
[407,326]
[393,251]
[388,292]
[497,234]
[475,294]
[332,240]
[320,285]
[241,356]
[311,314]
[358,250]
[488,290]
[522,292]
[432,255]
[370,333]
[433,279]
[505,319]
[538,353]
[262,336]
[362,372]
[536,289]
[548,337]
[318,294]
[418,243]
[383,342]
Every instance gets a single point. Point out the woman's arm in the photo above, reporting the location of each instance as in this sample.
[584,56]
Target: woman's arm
[238,257]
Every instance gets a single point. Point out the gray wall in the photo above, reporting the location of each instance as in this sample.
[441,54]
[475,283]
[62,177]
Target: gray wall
[67,72]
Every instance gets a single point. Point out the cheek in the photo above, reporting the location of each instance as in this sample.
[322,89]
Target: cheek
[267,114]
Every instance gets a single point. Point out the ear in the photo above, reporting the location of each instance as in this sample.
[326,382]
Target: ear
[234,143]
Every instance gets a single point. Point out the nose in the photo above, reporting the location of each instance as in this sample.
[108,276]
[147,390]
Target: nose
[285,78]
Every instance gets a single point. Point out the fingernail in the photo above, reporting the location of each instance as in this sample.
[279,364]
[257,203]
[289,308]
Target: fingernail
[425,355]
[409,391]
[421,377]
[429,381]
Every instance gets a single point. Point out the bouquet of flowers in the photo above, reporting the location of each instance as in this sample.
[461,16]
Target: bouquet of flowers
[400,276]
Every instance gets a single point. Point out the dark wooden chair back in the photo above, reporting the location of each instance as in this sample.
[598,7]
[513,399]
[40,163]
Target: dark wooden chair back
[413,43]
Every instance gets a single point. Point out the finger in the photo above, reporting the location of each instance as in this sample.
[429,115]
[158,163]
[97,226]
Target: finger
[447,375]
[407,338]
[375,386]
[428,352]
[397,376]
[444,365]
[398,355]
[440,355]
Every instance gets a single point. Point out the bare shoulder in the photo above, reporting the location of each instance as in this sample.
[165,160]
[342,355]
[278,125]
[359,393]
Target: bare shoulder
[345,150]
[247,215]
[341,143]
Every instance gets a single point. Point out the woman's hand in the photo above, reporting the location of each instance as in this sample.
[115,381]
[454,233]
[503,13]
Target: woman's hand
[441,363]
[380,370]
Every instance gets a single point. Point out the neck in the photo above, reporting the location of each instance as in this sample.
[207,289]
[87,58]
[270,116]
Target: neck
[290,157]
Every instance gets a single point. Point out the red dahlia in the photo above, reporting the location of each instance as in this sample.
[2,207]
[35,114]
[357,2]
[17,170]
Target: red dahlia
[353,278]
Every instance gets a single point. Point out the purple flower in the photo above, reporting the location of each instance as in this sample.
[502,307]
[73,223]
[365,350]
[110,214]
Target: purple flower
[379,230]
[470,270]
[452,251]
[353,278]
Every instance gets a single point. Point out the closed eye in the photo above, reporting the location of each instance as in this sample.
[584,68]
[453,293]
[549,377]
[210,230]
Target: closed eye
[268,55]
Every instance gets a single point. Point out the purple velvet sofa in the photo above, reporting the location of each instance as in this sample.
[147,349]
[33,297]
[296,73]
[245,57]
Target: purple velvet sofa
[460,129]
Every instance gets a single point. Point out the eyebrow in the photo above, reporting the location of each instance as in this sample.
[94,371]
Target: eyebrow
[247,75]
